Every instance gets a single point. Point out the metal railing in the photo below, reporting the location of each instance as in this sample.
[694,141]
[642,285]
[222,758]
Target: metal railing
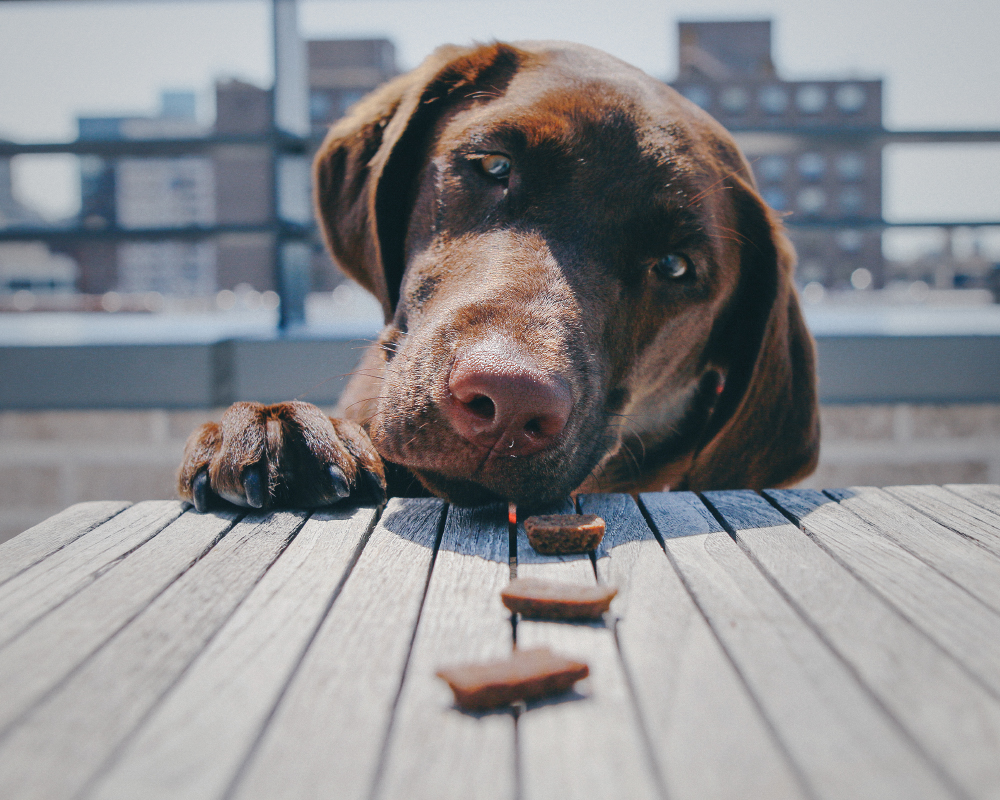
[288,136]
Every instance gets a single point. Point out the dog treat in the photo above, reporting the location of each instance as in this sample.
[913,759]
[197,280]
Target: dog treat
[538,599]
[563,534]
[526,675]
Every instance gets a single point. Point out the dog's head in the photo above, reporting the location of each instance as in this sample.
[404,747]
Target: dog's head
[580,283]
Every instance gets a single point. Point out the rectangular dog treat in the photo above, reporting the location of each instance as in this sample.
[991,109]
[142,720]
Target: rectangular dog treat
[564,534]
[538,599]
[527,675]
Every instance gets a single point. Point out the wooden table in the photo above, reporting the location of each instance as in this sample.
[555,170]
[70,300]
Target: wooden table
[791,644]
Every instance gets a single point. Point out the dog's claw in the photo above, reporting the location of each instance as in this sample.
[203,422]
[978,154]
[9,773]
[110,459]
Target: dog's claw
[253,486]
[201,492]
[373,484]
[339,481]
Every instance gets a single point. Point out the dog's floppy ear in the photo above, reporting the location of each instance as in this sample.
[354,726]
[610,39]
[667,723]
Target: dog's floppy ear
[365,171]
[764,430]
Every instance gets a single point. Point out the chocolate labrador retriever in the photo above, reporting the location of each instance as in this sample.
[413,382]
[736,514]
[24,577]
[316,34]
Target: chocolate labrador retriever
[582,290]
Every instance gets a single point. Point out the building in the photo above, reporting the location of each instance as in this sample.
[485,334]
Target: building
[29,266]
[833,181]
[341,72]
[244,193]
[143,193]
[232,186]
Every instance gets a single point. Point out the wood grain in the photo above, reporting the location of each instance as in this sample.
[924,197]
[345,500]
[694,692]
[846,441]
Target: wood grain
[66,739]
[950,716]
[33,663]
[945,612]
[434,750]
[327,732]
[194,743]
[40,588]
[949,553]
[972,522]
[986,495]
[28,548]
[842,744]
[708,736]
[589,744]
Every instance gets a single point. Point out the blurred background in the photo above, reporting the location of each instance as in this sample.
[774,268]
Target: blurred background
[158,258]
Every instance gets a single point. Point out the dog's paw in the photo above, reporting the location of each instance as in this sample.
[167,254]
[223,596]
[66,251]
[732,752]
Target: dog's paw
[286,455]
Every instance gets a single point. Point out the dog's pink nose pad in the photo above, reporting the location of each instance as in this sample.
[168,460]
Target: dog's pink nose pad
[502,401]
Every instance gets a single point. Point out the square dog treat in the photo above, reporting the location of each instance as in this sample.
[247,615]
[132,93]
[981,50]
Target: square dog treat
[526,675]
[564,534]
[538,599]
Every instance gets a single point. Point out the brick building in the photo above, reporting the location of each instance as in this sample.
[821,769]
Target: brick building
[142,193]
[234,185]
[341,72]
[727,69]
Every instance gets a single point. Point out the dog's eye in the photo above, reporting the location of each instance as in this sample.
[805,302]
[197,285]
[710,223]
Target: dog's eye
[672,266]
[495,165]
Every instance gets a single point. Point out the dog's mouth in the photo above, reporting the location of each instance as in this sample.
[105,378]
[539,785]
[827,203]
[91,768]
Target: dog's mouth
[529,488]
[497,414]
[467,473]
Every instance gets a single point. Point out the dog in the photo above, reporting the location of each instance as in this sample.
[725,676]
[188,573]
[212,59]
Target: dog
[583,291]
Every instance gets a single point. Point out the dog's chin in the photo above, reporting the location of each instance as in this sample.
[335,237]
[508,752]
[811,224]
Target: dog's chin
[463,492]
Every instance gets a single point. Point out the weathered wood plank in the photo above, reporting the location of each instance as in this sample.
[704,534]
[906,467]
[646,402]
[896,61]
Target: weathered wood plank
[434,750]
[950,554]
[31,594]
[63,742]
[28,548]
[194,743]
[945,612]
[841,742]
[326,735]
[708,736]
[953,719]
[973,522]
[34,662]
[986,495]
[591,744]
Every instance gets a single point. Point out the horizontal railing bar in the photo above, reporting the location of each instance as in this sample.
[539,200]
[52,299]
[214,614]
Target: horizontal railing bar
[881,135]
[114,148]
[289,230]
[289,143]
[114,233]
[881,224]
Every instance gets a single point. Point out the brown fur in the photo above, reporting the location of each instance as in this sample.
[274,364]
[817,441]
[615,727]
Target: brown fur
[704,382]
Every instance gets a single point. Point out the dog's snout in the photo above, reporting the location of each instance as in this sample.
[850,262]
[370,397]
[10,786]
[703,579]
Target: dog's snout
[504,401]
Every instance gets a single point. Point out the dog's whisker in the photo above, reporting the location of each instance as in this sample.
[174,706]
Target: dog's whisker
[359,402]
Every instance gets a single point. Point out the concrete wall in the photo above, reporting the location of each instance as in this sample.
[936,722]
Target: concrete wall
[51,459]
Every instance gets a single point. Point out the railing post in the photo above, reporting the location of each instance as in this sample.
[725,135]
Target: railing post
[291,213]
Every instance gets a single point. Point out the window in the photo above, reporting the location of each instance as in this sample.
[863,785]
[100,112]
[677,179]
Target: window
[811,200]
[850,98]
[698,95]
[811,166]
[810,99]
[734,99]
[850,166]
[851,201]
[775,198]
[772,169]
[774,99]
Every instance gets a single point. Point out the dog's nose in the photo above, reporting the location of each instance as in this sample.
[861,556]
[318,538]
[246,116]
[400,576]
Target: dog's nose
[504,401]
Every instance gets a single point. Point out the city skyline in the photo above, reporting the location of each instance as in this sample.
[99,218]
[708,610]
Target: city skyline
[935,64]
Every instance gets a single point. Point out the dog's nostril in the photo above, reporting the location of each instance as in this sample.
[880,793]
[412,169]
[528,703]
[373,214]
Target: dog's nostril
[533,427]
[482,407]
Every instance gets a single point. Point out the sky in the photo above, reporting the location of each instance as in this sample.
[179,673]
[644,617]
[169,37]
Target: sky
[939,61]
